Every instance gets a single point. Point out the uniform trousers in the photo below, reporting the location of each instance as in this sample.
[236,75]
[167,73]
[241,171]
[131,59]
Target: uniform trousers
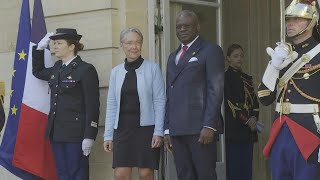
[194,161]
[70,162]
[287,163]
[239,161]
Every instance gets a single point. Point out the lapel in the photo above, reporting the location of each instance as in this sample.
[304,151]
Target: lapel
[55,76]
[120,76]
[192,51]
[172,60]
[73,65]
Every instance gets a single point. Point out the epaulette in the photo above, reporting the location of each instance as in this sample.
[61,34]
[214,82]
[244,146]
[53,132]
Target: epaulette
[263,93]
[246,76]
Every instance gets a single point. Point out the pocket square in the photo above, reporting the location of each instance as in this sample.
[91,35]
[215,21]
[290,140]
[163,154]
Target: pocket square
[193,59]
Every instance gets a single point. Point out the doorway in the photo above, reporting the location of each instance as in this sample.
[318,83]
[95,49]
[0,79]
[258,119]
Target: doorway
[210,15]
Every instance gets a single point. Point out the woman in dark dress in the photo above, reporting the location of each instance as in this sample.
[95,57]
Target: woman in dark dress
[241,114]
[135,111]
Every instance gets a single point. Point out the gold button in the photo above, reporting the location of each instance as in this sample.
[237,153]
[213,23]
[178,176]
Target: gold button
[305,45]
[305,58]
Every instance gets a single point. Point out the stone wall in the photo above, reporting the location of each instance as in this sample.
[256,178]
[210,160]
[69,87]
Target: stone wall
[100,23]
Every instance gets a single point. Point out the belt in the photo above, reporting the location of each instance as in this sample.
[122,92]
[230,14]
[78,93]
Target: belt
[288,108]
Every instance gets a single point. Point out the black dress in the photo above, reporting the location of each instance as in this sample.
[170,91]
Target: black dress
[132,142]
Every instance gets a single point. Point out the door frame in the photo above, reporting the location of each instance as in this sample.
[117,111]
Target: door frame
[166,43]
[165,4]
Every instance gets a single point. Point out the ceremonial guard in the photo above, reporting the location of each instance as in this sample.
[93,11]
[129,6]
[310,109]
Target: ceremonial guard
[241,116]
[292,80]
[2,114]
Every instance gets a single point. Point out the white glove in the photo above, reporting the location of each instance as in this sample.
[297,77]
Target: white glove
[280,56]
[319,156]
[44,41]
[86,146]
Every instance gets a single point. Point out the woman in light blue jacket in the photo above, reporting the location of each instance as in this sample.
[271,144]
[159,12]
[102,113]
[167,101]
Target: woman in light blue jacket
[135,111]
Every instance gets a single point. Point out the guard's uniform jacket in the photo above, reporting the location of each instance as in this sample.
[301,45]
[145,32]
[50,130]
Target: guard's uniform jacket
[301,93]
[74,108]
[240,104]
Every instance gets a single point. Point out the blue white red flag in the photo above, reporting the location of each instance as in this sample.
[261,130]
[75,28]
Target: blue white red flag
[24,151]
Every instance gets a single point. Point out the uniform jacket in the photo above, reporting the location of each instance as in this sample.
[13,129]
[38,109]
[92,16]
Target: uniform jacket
[240,104]
[195,89]
[74,104]
[150,86]
[309,86]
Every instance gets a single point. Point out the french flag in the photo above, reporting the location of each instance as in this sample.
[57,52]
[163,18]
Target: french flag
[24,151]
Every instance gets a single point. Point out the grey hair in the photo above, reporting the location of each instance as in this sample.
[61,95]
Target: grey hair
[189,13]
[129,30]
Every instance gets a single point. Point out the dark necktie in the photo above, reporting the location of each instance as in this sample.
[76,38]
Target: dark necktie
[63,67]
[184,50]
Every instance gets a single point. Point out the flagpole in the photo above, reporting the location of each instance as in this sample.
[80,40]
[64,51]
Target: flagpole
[282,22]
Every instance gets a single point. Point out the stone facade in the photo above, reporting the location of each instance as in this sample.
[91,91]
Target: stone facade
[100,23]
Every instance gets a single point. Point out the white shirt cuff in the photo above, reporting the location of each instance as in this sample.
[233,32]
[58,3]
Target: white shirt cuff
[210,128]
[166,132]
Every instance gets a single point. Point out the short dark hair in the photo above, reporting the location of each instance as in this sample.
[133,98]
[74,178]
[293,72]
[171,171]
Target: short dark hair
[233,47]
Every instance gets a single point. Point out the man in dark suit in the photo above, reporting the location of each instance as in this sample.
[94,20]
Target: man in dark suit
[195,77]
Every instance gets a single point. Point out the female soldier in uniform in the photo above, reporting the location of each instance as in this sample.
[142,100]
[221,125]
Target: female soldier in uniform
[242,111]
[74,109]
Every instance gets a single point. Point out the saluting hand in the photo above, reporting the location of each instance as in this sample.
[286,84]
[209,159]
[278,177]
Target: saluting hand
[44,41]
[206,136]
[108,145]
